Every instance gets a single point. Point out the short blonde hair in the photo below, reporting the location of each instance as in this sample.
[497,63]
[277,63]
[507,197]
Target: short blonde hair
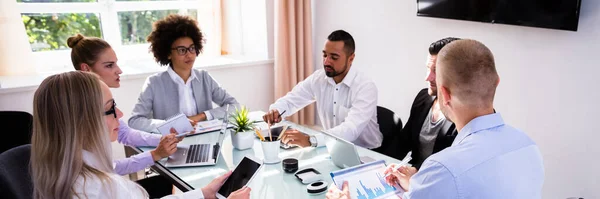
[468,70]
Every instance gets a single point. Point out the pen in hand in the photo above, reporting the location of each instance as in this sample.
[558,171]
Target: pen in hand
[280,114]
[404,161]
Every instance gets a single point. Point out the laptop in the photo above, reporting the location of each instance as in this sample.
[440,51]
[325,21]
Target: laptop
[199,154]
[344,153]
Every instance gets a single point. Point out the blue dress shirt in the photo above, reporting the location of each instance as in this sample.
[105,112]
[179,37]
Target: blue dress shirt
[488,159]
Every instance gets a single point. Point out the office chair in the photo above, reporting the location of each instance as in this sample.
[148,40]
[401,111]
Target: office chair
[15,179]
[18,125]
[390,126]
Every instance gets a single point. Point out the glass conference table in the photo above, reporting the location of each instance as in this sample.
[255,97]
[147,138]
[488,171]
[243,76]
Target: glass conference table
[271,181]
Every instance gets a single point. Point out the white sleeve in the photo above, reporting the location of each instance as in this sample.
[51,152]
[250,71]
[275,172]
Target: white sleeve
[301,95]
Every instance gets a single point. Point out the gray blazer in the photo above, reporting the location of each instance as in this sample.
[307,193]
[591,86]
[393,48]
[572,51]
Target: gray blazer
[159,99]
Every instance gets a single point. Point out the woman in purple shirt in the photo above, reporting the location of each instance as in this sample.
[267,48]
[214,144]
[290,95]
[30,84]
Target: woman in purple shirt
[97,56]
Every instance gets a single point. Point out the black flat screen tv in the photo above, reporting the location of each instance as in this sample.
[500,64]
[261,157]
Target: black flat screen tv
[553,14]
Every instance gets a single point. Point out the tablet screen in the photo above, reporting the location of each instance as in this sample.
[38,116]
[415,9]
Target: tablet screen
[367,181]
[240,176]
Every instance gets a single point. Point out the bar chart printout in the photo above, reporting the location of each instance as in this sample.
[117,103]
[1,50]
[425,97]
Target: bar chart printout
[366,181]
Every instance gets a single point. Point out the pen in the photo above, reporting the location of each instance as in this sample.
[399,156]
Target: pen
[404,161]
[282,113]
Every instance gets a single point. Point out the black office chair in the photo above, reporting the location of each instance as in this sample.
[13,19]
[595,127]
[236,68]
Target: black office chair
[390,126]
[17,125]
[15,180]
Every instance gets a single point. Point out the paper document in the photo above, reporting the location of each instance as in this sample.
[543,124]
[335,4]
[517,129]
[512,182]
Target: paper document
[210,126]
[366,181]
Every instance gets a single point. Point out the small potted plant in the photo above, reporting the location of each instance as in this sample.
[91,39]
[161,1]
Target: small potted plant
[242,137]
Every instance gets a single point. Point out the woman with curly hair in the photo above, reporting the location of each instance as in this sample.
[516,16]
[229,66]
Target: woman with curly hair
[176,41]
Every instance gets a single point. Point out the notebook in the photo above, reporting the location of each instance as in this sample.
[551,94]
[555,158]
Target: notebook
[179,122]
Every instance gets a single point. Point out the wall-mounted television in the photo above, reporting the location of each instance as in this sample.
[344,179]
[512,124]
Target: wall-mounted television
[553,14]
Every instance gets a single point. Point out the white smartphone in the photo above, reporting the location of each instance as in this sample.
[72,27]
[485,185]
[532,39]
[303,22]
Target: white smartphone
[243,173]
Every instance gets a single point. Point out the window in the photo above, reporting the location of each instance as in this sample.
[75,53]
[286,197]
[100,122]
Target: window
[124,24]
[136,25]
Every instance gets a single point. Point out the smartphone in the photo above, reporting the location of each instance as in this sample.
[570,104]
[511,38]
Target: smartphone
[243,173]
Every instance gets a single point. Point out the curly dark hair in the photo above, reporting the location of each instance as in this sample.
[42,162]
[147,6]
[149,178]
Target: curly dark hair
[167,30]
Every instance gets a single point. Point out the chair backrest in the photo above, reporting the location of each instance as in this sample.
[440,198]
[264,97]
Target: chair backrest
[15,179]
[20,124]
[389,124]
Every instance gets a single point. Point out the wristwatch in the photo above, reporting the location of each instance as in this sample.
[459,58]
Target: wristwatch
[313,141]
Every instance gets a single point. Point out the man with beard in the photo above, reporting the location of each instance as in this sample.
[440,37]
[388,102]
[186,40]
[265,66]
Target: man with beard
[346,99]
[427,131]
[488,159]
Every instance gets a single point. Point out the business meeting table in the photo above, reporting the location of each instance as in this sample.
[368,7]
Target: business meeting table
[271,181]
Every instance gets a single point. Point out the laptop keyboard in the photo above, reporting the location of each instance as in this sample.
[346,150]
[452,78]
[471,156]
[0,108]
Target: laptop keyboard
[198,153]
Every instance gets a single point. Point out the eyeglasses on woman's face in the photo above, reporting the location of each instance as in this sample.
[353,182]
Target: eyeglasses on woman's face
[112,109]
[183,50]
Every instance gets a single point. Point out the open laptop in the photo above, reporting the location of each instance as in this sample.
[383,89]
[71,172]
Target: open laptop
[344,153]
[199,154]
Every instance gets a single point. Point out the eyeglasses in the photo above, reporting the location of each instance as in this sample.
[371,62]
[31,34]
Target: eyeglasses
[183,50]
[112,110]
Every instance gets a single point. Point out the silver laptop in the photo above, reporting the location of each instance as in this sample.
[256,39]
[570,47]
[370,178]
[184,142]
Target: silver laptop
[199,154]
[343,153]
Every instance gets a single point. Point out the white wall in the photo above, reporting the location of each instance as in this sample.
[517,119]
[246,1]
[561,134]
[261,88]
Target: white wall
[547,86]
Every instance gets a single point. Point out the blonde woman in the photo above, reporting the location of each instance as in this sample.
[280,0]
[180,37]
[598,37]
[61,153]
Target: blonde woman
[75,119]
[97,56]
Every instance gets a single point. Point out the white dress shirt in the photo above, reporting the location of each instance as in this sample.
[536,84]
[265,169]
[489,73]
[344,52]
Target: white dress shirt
[347,110]
[187,102]
[119,188]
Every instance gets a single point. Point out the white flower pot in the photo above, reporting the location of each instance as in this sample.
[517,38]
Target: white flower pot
[242,140]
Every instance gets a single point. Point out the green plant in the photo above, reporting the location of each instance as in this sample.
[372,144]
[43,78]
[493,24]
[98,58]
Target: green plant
[240,120]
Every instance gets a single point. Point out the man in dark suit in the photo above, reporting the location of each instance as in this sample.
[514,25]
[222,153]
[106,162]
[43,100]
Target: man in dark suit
[427,130]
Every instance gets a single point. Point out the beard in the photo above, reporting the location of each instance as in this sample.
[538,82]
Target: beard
[432,91]
[334,73]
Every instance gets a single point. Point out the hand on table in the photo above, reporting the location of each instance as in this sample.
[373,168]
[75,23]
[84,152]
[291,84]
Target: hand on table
[294,137]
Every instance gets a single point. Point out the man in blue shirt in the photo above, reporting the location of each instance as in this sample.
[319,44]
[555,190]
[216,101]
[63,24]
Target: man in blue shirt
[488,159]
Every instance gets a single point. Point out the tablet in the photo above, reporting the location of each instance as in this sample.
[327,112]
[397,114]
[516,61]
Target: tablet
[242,174]
[366,181]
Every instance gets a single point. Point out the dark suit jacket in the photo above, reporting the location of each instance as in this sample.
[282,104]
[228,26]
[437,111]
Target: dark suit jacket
[409,137]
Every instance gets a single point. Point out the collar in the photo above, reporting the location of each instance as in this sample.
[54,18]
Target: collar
[348,80]
[478,124]
[176,78]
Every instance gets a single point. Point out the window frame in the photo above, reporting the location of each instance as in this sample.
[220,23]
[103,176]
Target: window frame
[109,24]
